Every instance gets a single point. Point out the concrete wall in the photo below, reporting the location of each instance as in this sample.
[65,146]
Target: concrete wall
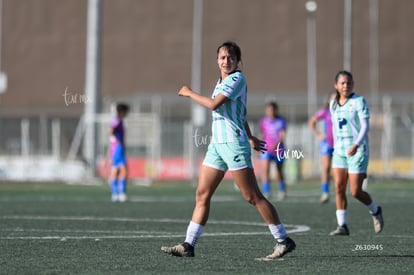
[147,48]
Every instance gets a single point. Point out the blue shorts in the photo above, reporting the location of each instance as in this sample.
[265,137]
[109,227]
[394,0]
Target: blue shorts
[118,156]
[232,156]
[325,149]
[356,164]
[275,158]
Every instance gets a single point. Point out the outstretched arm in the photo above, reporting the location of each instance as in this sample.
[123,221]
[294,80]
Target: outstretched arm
[312,124]
[209,103]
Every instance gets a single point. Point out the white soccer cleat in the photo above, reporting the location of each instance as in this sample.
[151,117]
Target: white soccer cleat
[324,198]
[281,195]
[341,230]
[365,184]
[280,250]
[122,197]
[114,198]
[378,221]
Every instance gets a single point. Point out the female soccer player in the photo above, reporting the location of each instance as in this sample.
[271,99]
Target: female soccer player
[229,149]
[119,172]
[350,120]
[326,145]
[273,131]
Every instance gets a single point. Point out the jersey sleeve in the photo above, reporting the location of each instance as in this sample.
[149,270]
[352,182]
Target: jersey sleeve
[233,85]
[115,123]
[320,114]
[363,111]
[363,131]
[284,124]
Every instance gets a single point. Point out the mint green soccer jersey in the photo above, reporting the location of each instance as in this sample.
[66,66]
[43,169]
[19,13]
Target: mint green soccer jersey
[229,118]
[346,123]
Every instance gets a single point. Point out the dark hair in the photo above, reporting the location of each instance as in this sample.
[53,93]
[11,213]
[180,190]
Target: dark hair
[273,104]
[343,73]
[339,74]
[233,49]
[122,107]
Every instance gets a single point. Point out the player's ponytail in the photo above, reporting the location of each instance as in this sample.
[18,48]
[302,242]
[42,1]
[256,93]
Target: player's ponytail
[336,102]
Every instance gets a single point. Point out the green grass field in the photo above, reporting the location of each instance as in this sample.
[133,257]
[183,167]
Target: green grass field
[69,229]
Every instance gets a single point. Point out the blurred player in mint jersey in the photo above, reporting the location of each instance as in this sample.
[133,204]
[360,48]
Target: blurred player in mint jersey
[350,121]
[326,145]
[119,172]
[273,131]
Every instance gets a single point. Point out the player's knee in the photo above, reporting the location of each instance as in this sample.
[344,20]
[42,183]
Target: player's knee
[251,199]
[356,192]
[340,190]
[202,197]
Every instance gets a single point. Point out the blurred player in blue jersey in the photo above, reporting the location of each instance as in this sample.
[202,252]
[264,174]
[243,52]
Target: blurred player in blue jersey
[230,149]
[350,120]
[119,172]
[273,131]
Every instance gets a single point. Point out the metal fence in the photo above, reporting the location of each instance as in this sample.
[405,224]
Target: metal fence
[159,129]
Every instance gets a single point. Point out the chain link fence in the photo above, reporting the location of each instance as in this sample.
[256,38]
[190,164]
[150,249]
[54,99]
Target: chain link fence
[160,134]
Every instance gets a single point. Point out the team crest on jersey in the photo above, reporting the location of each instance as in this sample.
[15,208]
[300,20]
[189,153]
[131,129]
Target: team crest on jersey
[342,122]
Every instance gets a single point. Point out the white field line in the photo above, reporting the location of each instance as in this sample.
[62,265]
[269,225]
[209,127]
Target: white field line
[304,196]
[127,234]
[17,230]
[96,238]
[148,199]
[151,236]
[121,219]
[295,196]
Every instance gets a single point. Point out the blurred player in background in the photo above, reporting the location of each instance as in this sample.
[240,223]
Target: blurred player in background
[119,172]
[350,121]
[273,131]
[326,145]
[230,148]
